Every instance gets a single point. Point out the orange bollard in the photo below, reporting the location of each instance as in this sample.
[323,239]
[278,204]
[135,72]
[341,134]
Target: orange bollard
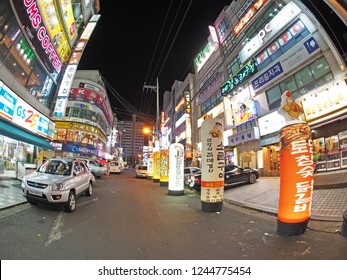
[297,178]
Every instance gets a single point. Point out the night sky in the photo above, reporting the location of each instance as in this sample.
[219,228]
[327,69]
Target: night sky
[131,46]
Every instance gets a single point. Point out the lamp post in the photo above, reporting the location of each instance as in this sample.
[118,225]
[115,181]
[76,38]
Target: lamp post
[156,89]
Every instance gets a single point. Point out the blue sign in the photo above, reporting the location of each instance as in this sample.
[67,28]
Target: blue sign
[267,76]
[8,100]
[311,45]
[86,150]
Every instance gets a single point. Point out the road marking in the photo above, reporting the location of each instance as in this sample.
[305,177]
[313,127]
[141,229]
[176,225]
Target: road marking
[55,233]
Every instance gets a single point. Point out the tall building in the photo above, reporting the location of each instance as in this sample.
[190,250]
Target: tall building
[256,51]
[37,40]
[86,127]
[131,140]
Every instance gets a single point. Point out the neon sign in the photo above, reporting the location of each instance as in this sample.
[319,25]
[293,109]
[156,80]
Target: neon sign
[249,15]
[244,73]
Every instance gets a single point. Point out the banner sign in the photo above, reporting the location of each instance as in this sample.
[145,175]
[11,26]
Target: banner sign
[212,174]
[176,169]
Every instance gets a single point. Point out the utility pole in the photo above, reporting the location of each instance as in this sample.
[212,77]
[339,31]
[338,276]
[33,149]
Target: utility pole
[156,89]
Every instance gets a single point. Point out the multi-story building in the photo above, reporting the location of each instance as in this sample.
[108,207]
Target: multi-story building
[256,51]
[131,140]
[37,39]
[86,126]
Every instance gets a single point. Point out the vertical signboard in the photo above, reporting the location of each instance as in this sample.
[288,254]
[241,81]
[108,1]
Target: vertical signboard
[156,166]
[164,167]
[212,174]
[297,171]
[176,169]
[150,166]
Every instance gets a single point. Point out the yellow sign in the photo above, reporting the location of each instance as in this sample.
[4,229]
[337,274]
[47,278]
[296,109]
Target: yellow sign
[164,167]
[54,28]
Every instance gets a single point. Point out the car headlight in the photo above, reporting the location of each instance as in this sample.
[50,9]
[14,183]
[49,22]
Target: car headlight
[58,187]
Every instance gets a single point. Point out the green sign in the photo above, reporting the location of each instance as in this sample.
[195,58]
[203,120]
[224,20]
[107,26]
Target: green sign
[241,76]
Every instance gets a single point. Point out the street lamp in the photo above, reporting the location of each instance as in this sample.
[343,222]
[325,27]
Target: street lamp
[156,89]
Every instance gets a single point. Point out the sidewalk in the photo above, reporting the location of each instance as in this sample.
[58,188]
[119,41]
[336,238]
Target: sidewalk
[328,204]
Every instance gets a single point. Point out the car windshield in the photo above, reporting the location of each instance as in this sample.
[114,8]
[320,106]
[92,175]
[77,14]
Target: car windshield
[142,168]
[56,167]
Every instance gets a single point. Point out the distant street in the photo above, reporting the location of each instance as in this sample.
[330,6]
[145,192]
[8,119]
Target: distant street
[135,219]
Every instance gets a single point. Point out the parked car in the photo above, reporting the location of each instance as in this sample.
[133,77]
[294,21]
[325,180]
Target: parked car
[58,181]
[115,167]
[233,174]
[141,171]
[190,170]
[96,167]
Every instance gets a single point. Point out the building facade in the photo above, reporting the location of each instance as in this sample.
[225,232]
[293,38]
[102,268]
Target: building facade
[86,127]
[36,42]
[256,51]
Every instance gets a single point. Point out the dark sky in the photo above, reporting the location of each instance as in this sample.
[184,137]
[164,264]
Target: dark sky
[126,49]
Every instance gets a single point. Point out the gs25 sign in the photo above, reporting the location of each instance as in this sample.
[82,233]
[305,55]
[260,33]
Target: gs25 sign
[26,116]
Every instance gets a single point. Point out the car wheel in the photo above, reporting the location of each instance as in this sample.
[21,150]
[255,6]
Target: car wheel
[89,191]
[70,206]
[252,178]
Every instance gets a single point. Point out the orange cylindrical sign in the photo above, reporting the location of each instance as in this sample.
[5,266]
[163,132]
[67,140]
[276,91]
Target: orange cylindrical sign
[212,163]
[156,166]
[164,167]
[297,176]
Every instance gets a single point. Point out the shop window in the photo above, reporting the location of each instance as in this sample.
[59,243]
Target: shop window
[60,135]
[74,136]
[274,158]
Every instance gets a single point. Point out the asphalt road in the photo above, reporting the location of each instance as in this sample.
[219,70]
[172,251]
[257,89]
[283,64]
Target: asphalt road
[135,219]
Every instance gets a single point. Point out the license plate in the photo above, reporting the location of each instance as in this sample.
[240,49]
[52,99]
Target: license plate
[34,192]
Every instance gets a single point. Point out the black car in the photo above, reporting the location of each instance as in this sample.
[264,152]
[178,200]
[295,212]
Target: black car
[233,174]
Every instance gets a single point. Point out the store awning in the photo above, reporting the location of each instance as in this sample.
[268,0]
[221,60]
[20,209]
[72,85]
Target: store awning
[21,135]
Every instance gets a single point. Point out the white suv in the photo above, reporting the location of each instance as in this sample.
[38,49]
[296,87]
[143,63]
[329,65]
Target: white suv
[58,181]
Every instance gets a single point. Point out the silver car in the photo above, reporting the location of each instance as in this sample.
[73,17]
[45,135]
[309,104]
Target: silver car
[58,181]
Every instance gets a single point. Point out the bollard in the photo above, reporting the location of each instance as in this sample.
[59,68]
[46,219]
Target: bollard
[344,224]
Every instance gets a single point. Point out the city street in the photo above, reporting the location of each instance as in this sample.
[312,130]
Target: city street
[135,219]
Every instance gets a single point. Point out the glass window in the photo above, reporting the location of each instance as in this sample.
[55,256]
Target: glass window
[222,29]
[303,77]
[289,84]
[273,94]
[320,67]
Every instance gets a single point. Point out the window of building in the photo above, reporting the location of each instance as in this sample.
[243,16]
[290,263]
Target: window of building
[305,80]
[222,29]
[234,66]
[18,57]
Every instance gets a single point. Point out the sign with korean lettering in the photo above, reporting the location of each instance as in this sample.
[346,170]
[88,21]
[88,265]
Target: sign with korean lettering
[247,71]
[156,166]
[212,175]
[150,165]
[176,169]
[164,167]
[296,184]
